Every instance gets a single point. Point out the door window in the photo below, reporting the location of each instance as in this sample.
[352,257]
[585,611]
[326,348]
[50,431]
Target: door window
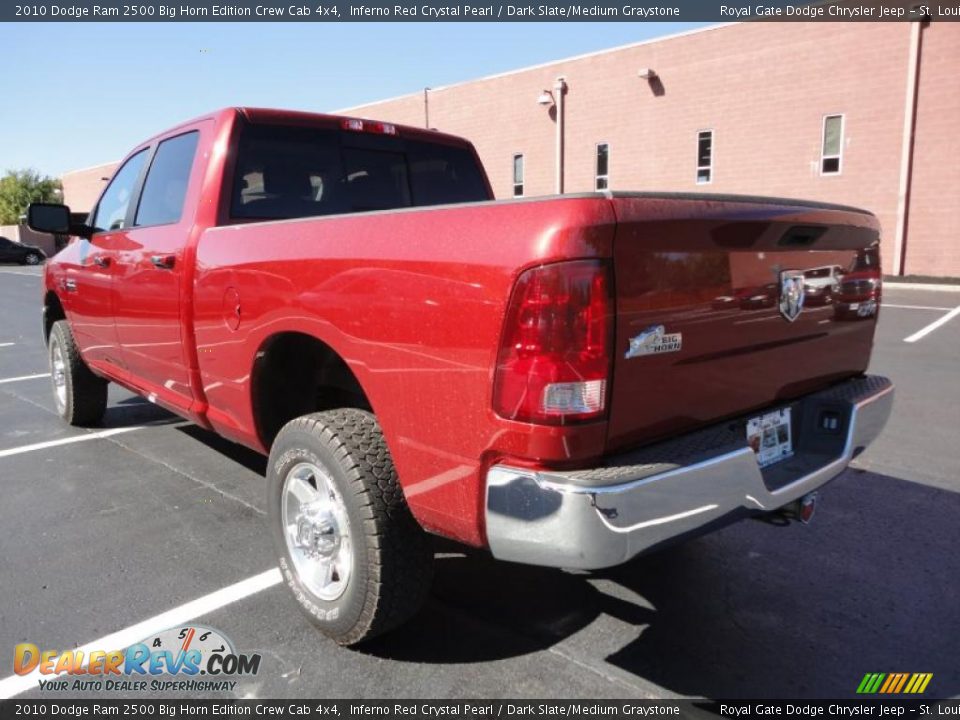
[161,201]
[111,213]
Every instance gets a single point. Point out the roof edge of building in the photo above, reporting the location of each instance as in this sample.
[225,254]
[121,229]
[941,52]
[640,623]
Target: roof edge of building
[89,168]
[516,71]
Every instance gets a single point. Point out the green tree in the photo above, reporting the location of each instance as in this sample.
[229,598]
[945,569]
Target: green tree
[19,188]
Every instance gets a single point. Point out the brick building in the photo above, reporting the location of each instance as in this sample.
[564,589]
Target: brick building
[822,111]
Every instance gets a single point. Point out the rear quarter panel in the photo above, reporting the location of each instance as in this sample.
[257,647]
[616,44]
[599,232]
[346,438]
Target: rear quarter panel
[413,300]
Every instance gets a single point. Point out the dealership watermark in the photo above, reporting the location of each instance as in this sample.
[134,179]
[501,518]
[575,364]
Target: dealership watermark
[191,658]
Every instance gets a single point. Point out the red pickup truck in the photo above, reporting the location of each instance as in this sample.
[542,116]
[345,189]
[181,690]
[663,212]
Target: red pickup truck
[550,378]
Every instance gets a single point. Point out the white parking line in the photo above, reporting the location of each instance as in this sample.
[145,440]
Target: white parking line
[18,272]
[6,344]
[933,287]
[23,377]
[915,307]
[922,333]
[68,440]
[122,639]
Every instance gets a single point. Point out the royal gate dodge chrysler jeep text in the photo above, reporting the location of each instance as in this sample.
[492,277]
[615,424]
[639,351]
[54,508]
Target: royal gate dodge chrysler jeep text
[568,381]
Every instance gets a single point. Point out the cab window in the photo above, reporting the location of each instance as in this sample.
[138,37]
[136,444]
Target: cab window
[161,201]
[111,213]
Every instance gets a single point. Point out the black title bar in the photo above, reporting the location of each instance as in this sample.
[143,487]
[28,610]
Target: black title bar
[53,707]
[474,11]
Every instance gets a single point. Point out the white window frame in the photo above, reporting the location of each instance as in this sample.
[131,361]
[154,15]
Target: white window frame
[708,168]
[823,140]
[513,173]
[596,166]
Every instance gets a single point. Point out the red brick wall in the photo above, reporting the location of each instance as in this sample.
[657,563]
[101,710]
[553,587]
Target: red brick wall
[933,247]
[763,88]
[82,188]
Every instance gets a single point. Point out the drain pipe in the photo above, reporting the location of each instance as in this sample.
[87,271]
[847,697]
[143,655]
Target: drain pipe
[560,89]
[426,108]
[906,147]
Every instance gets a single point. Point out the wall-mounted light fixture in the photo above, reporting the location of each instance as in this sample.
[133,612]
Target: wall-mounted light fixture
[647,73]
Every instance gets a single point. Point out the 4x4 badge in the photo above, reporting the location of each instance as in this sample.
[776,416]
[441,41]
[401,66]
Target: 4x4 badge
[791,294]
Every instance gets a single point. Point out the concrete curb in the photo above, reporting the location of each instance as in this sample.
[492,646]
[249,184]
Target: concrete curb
[887,285]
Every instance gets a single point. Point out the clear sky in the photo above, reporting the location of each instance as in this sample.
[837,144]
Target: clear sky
[77,95]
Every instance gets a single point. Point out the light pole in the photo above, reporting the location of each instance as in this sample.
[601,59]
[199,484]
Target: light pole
[555,98]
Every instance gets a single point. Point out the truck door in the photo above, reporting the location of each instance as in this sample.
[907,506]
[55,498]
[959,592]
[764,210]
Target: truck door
[149,276]
[88,283]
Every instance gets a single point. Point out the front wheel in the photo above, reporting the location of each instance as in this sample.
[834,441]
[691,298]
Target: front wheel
[349,549]
[79,395]
[32,259]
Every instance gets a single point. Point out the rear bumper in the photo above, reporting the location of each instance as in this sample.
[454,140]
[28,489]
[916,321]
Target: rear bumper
[604,516]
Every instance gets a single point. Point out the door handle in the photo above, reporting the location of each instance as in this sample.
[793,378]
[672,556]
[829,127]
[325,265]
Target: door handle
[162,262]
[101,261]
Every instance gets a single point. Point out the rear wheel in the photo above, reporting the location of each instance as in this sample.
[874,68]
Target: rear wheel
[349,549]
[79,395]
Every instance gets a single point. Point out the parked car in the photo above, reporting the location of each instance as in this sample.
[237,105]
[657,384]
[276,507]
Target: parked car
[859,292]
[821,284]
[14,252]
[416,358]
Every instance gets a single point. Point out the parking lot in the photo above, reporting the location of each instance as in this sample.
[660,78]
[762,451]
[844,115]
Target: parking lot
[105,530]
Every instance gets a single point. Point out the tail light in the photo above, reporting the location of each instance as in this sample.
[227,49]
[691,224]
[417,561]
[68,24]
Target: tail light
[555,352]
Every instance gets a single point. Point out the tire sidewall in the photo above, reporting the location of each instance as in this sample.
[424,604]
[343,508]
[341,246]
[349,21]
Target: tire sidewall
[57,338]
[336,617]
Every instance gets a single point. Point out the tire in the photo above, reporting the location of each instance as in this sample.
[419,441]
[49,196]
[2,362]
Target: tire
[31,259]
[79,395]
[349,549]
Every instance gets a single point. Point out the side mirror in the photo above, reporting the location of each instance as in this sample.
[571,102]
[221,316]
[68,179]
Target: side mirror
[55,219]
[49,218]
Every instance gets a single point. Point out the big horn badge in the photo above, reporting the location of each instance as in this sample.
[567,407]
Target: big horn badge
[791,294]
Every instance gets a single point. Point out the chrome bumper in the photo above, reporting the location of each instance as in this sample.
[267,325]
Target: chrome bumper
[574,520]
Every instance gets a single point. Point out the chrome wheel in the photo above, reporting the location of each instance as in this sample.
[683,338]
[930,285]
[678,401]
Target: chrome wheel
[58,372]
[33,259]
[317,531]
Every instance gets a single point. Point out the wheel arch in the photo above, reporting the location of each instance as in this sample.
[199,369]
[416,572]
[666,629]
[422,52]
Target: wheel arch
[295,373]
[52,312]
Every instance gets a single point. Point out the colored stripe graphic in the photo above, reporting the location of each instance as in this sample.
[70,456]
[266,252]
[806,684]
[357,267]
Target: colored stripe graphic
[894,683]
[876,683]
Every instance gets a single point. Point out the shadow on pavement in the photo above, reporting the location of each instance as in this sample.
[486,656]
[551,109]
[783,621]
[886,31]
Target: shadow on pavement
[872,585]
[137,411]
[244,456]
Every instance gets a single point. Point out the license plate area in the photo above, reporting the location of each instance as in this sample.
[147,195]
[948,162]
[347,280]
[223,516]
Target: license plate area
[770,437]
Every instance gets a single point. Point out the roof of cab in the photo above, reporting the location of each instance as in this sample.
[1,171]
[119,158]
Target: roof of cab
[274,116]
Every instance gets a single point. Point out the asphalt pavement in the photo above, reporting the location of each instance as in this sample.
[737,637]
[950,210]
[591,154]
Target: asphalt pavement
[149,518]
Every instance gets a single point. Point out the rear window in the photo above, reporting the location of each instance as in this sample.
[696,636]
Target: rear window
[289,172]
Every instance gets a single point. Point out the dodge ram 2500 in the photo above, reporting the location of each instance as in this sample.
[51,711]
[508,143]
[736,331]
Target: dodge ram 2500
[568,381]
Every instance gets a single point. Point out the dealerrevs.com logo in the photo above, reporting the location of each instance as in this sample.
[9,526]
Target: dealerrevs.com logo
[191,658]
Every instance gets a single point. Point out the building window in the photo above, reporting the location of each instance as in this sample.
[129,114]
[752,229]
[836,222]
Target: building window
[704,157]
[603,167]
[832,153]
[518,175]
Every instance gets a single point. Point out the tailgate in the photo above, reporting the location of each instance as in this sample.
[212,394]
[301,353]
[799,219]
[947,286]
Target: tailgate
[710,319]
